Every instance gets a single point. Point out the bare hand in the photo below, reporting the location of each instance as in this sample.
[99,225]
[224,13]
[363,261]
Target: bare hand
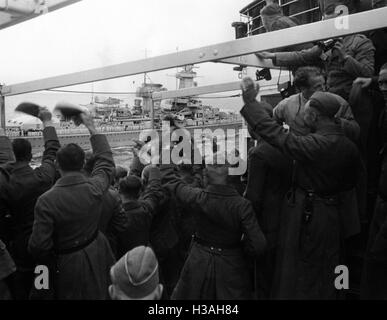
[44,114]
[340,50]
[2,132]
[265,55]
[250,90]
[365,82]
[88,121]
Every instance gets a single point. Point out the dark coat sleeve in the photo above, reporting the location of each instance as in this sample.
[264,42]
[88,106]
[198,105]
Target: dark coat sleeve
[103,169]
[256,179]
[118,221]
[136,167]
[153,194]
[184,192]
[306,57]
[350,126]
[41,243]
[254,240]
[4,178]
[361,64]
[301,148]
[6,152]
[7,265]
[47,171]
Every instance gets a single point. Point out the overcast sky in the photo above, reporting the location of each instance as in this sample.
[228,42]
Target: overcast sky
[97,33]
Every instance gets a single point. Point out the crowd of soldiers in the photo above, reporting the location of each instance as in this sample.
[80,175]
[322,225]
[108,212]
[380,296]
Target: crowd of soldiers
[313,198]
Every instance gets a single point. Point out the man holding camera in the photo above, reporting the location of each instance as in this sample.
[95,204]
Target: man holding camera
[344,59]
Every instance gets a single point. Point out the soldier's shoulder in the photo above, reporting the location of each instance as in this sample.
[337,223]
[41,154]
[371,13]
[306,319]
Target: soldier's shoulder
[359,39]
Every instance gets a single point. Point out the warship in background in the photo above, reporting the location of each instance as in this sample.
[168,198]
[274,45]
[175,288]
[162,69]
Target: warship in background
[123,123]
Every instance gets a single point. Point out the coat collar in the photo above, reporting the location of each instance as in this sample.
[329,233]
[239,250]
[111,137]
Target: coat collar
[18,166]
[72,179]
[221,189]
[330,129]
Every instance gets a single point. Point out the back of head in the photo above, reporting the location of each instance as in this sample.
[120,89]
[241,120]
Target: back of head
[71,157]
[270,14]
[272,10]
[130,186]
[22,150]
[325,103]
[136,276]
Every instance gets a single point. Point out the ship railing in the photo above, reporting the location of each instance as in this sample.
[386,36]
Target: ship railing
[246,13]
[250,32]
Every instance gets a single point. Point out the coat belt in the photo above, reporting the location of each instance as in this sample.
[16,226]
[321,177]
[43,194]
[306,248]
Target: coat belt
[78,247]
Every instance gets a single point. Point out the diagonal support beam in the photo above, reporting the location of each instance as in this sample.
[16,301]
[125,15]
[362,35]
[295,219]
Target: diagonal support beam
[250,60]
[360,22]
[196,91]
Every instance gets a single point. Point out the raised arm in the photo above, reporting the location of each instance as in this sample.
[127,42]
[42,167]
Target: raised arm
[153,194]
[136,166]
[47,171]
[184,192]
[302,148]
[103,169]
[6,152]
[305,57]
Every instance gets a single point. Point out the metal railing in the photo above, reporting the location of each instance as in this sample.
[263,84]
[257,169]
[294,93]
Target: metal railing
[252,20]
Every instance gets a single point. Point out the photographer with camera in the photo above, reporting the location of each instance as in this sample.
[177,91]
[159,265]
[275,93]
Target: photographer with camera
[345,59]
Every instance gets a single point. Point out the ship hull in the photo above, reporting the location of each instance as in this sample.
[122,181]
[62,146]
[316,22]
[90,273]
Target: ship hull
[116,139]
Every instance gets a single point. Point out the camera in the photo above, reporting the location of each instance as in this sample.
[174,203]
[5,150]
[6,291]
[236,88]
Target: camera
[327,45]
[286,89]
[263,74]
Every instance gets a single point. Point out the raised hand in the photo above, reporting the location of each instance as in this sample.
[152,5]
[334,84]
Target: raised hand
[250,90]
[88,121]
[44,114]
[340,49]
